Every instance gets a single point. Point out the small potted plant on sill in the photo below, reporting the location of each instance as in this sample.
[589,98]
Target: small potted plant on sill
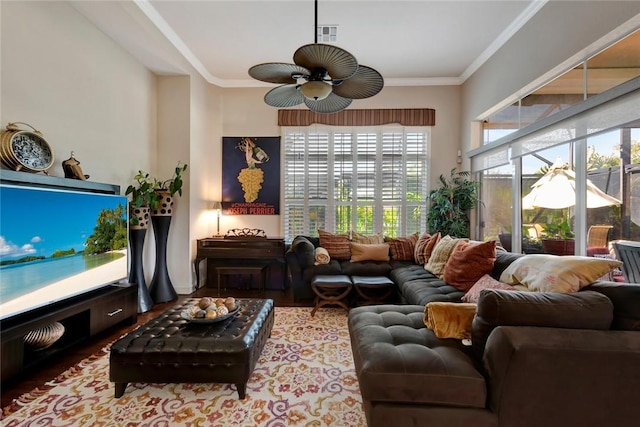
[143,198]
[165,190]
[559,238]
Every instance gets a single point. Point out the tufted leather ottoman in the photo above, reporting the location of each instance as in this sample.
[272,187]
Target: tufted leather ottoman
[168,349]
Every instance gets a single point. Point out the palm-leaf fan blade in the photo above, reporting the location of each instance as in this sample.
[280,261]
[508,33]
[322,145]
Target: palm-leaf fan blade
[277,72]
[339,63]
[331,104]
[366,82]
[284,96]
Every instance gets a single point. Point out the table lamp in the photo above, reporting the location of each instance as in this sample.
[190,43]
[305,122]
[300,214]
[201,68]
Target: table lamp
[217,207]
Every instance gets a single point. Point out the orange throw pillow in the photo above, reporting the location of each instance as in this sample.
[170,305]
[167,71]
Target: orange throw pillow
[402,248]
[468,263]
[338,245]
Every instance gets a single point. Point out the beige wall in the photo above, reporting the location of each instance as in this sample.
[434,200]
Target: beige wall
[246,114]
[84,93]
[204,164]
[561,32]
[174,135]
[87,94]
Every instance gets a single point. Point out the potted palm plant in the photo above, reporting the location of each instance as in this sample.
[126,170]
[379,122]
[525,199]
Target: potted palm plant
[451,203]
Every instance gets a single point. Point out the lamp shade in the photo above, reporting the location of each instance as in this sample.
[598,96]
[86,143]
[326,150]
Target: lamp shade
[315,90]
[217,206]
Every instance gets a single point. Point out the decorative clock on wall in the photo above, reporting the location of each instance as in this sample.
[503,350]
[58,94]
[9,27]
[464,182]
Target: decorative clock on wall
[25,149]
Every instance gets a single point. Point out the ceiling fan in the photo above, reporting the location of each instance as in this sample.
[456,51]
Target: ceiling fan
[324,77]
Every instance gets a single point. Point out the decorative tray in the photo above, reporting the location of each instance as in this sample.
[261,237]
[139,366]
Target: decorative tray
[187,315]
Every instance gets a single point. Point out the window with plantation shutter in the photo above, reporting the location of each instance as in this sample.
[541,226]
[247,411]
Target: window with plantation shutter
[369,180]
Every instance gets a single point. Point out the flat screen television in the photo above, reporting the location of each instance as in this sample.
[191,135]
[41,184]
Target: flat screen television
[56,244]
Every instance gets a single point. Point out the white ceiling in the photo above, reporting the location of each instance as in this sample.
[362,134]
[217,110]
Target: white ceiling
[417,42]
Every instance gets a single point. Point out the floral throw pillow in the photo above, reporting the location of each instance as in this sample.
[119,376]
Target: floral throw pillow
[485,282]
[552,273]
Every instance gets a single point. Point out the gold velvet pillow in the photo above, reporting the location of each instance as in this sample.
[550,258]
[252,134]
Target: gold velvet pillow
[468,262]
[337,245]
[440,255]
[369,252]
[450,319]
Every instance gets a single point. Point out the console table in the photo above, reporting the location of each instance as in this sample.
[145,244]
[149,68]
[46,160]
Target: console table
[83,316]
[242,256]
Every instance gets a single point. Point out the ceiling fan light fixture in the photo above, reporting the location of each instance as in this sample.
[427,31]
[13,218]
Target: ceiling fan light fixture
[315,90]
[324,77]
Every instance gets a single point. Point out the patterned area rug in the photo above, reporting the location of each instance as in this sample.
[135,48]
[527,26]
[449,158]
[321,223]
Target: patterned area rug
[305,377]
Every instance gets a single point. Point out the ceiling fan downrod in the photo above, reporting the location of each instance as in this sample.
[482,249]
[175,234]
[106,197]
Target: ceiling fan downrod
[315,28]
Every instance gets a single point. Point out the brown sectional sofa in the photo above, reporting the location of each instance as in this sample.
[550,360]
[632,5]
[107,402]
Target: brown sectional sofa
[414,284]
[537,359]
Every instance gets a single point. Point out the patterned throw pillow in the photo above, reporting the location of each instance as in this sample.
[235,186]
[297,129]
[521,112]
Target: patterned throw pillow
[468,262]
[369,252]
[424,247]
[552,273]
[440,255]
[338,245]
[402,248]
[485,282]
[370,239]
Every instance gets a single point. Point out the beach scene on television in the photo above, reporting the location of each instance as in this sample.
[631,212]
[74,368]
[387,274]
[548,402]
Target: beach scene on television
[55,244]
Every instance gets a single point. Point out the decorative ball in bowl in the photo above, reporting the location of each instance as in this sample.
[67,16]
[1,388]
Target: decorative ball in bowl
[210,310]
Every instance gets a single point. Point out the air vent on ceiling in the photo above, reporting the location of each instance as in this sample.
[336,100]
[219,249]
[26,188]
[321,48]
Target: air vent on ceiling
[327,33]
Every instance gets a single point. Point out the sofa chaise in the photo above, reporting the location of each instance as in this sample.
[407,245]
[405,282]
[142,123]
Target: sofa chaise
[536,359]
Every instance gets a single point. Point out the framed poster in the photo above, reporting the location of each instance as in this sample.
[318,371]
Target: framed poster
[251,175]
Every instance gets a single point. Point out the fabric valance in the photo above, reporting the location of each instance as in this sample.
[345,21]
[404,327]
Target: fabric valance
[377,117]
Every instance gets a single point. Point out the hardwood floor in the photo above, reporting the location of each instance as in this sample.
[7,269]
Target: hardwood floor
[36,377]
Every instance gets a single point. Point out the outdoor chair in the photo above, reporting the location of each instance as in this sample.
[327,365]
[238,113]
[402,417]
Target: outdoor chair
[629,253]
[598,240]
[598,236]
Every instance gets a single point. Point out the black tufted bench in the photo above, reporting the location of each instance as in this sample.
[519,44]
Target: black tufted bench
[168,349]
